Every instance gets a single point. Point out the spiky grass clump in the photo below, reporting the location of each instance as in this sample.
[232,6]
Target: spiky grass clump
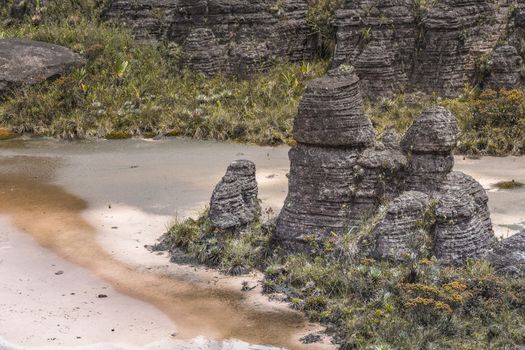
[233,252]
[369,304]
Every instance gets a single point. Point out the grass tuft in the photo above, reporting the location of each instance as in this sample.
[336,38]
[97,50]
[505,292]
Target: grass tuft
[508,185]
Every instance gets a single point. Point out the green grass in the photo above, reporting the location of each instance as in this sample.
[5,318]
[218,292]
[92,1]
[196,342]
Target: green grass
[133,88]
[369,304]
[508,185]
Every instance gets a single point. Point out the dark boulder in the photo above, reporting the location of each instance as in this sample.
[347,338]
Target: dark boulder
[234,201]
[26,62]
[508,256]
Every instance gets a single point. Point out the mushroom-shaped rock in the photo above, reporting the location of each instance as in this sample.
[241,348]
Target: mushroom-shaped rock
[463,228]
[436,131]
[234,201]
[429,143]
[331,112]
[403,230]
[506,67]
[26,62]
[508,255]
[203,53]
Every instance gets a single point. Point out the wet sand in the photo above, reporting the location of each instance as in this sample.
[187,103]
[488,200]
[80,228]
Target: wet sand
[53,217]
[94,205]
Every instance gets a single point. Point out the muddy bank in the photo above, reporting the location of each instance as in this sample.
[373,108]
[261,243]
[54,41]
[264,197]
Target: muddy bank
[53,218]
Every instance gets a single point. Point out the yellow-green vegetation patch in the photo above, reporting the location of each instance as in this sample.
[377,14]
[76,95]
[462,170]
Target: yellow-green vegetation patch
[118,135]
[370,304]
[508,185]
[6,134]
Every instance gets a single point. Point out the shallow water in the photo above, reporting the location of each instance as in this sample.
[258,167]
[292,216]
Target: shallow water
[92,206]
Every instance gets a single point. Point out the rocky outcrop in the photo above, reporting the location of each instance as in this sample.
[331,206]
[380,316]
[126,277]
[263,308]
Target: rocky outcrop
[234,202]
[463,227]
[26,62]
[508,256]
[378,38]
[341,179]
[403,228]
[337,173]
[417,46]
[429,143]
[331,113]
[242,36]
[505,69]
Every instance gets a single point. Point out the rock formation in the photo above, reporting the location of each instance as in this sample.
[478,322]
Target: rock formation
[430,47]
[429,143]
[402,230]
[463,228]
[340,177]
[241,36]
[234,202]
[505,68]
[508,255]
[25,62]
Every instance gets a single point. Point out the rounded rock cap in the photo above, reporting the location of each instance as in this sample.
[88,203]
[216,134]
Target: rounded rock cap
[436,131]
[331,112]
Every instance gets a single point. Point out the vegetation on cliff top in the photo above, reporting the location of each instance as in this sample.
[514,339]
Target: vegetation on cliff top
[368,304]
[136,88]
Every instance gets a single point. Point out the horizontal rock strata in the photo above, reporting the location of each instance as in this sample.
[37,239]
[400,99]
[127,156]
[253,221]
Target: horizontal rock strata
[402,230]
[242,36]
[463,227]
[429,47]
[340,177]
[234,201]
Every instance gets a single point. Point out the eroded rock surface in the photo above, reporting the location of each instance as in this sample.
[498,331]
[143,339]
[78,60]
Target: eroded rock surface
[402,230]
[508,255]
[26,62]
[505,68]
[418,46]
[234,201]
[463,227]
[429,143]
[241,36]
[342,180]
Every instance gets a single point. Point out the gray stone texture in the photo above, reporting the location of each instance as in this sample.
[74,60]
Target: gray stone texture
[240,36]
[395,45]
[234,201]
[26,62]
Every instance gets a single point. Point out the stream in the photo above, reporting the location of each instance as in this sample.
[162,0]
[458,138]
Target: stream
[74,220]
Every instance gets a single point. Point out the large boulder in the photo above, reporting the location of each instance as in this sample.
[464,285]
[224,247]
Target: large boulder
[26,62]
[234,202]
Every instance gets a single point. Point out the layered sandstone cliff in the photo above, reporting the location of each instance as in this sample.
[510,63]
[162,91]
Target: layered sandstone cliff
[233,37]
